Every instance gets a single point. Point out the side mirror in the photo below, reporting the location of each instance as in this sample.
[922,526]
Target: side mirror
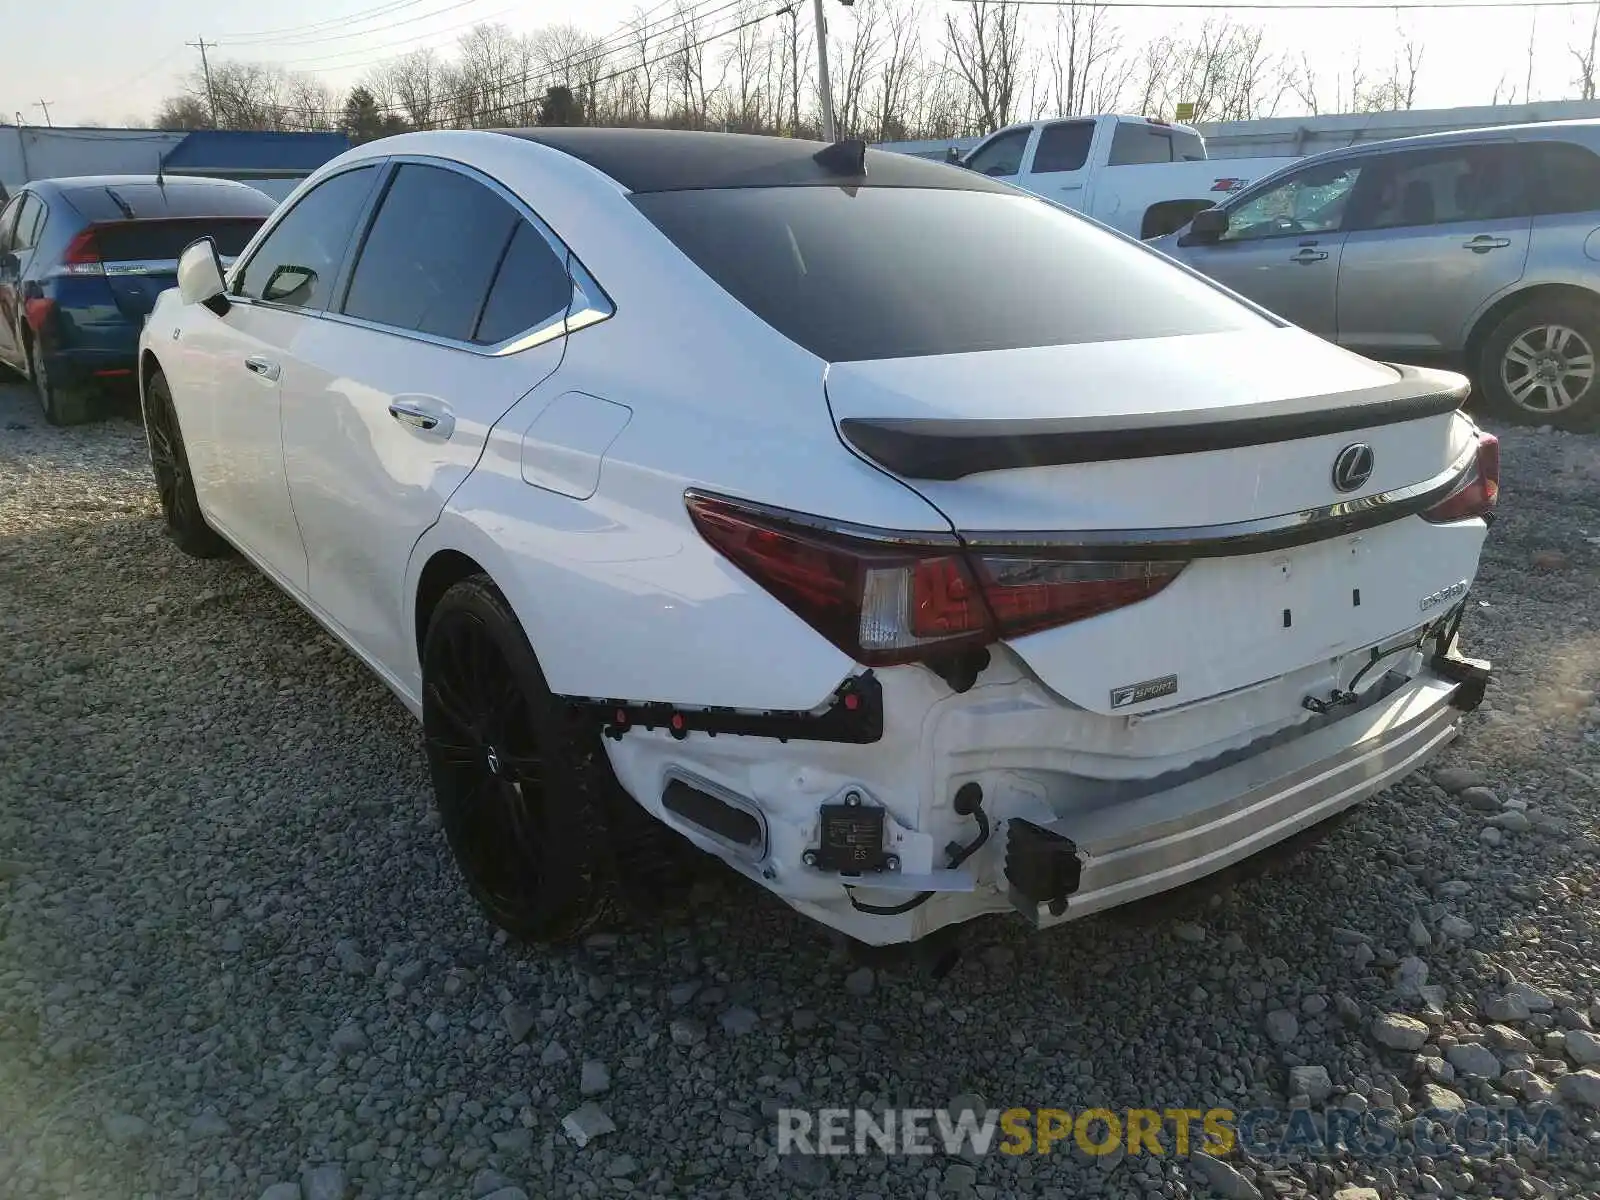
[200,276]
[1208,225]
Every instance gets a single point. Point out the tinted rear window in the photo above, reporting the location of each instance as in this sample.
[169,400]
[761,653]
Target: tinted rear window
[902,273]
[167,239]
[100,202]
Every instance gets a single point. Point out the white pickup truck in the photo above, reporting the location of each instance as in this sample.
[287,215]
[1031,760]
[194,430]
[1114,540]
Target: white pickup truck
[1142,177]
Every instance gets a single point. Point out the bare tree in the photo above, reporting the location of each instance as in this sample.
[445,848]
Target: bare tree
[855,65]
[1398,90]
[1083,44]
[1585,57]
[414,85]
[488,83]
[641,49]
[183,111]
[888,109]
[750,58]
[796,53]
[1347,87]
[986,42]
[569,57]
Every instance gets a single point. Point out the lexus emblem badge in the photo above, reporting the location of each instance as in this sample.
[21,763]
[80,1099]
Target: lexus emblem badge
[1353,467]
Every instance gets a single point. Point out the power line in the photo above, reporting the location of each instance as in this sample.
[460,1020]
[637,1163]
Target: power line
[1294,5]
[329,22]
[341,37]
[412,40]
[602,50]
[673,53]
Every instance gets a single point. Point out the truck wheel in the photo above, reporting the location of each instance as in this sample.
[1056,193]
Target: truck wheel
[169,463]
[1538,365]
[510,772]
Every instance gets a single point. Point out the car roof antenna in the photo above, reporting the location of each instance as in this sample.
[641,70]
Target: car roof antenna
[848,157]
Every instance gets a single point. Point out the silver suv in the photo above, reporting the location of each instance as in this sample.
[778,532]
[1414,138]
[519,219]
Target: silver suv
[1479,250]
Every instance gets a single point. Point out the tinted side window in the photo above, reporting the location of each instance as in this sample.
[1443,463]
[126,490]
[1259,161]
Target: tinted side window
[530,287]
[1063,147]
[1187,147]
[1465,183]
[1565,178]
[30,223]
[1134,144]
[8,223]
[297,263]
[432,253]
[1000,156]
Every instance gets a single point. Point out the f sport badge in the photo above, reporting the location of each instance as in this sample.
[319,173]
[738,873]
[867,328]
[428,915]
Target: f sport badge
[1138,693]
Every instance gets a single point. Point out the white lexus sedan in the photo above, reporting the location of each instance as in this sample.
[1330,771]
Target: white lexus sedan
[919,548]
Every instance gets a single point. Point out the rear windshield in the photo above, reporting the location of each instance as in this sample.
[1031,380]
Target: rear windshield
[903,272]
[120,200]
[167,239]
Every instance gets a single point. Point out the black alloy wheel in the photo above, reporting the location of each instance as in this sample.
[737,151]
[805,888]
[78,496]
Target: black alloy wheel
[513,777]
[170,465]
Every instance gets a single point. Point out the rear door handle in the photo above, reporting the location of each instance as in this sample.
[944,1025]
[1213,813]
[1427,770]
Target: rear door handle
[1483,243]
[263,367]
[1309,255]
[425,414]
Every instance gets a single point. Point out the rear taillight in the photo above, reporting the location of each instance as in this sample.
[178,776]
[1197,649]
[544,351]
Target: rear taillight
[82,256]
[1476,494]
[884,602]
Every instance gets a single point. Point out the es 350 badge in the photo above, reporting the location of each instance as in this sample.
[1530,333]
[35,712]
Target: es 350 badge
[1443,596]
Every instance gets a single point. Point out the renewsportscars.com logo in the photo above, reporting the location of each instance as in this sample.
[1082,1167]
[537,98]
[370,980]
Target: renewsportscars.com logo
[1265,1133]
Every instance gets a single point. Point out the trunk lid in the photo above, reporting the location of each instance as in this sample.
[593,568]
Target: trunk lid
[140,258]
[1200,447]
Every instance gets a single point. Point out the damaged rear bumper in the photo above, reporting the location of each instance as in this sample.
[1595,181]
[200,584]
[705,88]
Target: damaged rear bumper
[1089,862]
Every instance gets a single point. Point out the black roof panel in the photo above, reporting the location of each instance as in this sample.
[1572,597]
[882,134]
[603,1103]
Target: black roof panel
[670,160]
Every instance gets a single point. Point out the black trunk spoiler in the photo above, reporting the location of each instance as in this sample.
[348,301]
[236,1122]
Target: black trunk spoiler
[937,448]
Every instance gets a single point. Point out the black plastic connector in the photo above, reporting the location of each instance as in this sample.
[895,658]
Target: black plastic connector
[1042,865]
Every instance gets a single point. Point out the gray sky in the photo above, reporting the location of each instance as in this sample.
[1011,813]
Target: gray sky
[104,60]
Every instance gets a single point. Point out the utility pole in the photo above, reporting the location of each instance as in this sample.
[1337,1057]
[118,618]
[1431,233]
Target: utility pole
[830,132]
[205,66]
[45,105]
[1533,30]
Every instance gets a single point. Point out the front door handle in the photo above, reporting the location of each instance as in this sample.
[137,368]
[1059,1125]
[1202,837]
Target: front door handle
[263,367]
[1308,254]
[424,414]
[1484,243]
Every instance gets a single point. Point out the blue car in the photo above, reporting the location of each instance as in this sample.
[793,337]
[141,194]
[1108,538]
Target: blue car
[81,264]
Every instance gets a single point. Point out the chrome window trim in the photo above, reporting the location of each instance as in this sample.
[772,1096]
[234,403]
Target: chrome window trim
[589,305]
[1140,545]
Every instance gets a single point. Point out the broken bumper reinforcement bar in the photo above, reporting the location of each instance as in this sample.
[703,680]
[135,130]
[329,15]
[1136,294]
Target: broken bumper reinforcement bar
[1123,852]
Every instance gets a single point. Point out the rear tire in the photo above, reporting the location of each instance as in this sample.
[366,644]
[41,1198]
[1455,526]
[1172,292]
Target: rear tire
[513,775]
[61,406]
[169,463]
[1538,365]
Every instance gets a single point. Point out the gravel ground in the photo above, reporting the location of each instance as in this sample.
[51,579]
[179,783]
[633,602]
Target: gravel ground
[235,959]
